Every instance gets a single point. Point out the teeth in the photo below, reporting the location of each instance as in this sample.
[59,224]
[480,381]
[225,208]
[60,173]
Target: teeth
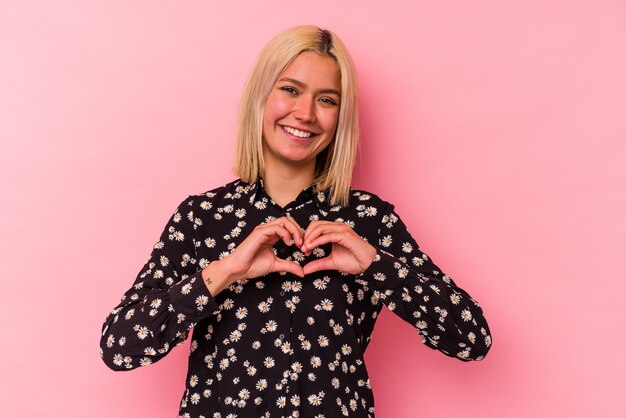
[296,132]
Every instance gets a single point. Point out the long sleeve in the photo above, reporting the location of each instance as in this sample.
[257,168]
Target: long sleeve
[407,281]
[166,300]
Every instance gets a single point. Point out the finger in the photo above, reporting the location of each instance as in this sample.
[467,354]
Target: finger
[300,229]
[320,230]
[325,263]
[313,226]
[281,265]
[275,232]
[336,237]
[292,226]
[314,230]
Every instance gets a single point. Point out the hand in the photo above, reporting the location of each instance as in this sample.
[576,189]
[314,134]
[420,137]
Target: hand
[255,256]
[349,254]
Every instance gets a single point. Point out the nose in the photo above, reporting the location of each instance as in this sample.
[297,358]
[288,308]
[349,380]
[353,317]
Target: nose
[305,110]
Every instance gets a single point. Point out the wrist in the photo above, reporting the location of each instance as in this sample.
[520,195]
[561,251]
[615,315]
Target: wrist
[373,253]
[217,276]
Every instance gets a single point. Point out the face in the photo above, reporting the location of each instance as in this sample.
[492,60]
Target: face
[301,111]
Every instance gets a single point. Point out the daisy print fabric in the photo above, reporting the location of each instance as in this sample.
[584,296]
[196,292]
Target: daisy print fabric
[280,345]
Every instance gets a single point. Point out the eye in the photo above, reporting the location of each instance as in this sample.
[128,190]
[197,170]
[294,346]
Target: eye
[329,101]
[289,89]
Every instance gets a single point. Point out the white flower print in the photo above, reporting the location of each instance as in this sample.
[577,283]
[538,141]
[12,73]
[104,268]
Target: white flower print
[201,301]
[321,284]
[325,304]
[142,333]
[337,329]
[186,289]
[117,359]
[379,276]
[466,315]
[316,362]
[261,384]
[242,312]
[271,325]
[264,306]
[417,261]
[323,341]
[316,399]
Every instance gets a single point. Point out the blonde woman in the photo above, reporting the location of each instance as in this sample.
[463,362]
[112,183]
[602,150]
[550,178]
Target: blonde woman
[281,274]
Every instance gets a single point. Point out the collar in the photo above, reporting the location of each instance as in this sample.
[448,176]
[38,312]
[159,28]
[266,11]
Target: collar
[257,193]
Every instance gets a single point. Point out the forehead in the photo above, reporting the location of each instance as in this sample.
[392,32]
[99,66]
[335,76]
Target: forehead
[314,71]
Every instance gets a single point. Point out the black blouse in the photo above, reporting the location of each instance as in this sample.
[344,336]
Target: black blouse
[281,345]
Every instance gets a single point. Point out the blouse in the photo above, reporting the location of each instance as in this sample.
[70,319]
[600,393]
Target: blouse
[280,345]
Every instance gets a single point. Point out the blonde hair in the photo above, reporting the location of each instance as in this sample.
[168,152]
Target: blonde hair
[334,165]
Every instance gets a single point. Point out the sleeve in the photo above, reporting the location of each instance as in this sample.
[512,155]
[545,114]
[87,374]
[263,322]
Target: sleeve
[406,280]
[166,300]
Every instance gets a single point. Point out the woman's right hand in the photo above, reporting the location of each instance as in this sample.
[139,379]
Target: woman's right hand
[255,256]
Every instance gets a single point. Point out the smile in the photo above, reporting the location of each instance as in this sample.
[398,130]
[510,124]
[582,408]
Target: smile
[297,132]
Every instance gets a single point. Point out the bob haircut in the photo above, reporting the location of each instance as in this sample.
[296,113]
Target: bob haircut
[334,165]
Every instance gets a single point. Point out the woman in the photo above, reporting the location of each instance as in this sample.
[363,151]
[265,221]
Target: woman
[283,272]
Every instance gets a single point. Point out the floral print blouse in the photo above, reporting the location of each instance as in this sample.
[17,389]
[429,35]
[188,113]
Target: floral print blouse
[281,345]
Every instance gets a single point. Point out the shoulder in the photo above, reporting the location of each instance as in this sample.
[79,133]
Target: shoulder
[230,192]
[370,203]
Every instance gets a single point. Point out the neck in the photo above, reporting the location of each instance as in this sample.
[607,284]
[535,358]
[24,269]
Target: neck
[285,182]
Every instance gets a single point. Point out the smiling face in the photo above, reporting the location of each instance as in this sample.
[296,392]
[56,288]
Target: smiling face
[301,111]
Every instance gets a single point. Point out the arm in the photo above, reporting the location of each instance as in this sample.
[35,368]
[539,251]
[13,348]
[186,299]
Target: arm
[414,288]
[166,300]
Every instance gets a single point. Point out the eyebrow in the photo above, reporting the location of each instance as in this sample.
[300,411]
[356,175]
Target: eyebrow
[301,84]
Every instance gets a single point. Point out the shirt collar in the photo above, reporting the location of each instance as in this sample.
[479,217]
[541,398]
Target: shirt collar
[257,193]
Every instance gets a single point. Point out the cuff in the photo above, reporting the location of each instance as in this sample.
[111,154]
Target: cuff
[386,271]
[191,298]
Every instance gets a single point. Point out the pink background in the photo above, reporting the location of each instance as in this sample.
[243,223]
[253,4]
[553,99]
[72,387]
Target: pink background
[505,118]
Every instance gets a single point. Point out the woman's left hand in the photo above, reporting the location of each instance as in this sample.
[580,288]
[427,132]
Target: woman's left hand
[349,254]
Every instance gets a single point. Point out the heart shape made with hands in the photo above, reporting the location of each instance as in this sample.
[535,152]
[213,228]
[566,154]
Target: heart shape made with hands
[349,253]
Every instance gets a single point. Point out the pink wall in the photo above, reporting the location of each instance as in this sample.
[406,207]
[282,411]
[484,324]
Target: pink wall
[507,118]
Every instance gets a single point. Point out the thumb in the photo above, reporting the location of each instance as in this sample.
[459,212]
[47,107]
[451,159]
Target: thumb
[325,263]
[281,265]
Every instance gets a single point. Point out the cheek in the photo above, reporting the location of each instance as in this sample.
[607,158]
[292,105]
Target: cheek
[275,108]
[330,121]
